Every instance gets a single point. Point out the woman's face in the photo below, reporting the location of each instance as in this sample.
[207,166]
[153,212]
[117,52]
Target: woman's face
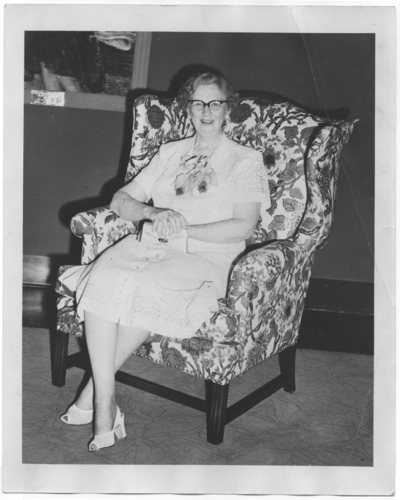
[207,122]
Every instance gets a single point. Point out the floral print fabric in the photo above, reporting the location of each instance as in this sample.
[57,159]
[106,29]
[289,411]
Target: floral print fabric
[99,228]
[262,312]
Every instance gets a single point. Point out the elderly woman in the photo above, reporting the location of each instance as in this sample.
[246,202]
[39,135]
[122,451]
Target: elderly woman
[207,191]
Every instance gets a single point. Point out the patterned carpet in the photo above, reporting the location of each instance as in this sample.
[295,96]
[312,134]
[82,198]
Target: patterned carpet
[327,421]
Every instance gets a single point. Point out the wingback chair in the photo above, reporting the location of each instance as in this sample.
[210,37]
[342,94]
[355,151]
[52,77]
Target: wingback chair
[260,315]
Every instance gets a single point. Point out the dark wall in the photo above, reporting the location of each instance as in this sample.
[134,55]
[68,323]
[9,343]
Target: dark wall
[72,155]
[74,159]
[330,75]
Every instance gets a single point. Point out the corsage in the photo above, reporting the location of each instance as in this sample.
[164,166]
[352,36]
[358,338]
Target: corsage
[194,173]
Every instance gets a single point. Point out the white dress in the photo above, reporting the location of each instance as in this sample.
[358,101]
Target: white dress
[161,289]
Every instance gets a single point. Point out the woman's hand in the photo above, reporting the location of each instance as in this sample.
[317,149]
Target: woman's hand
[129,204]
[167,222]
[239,228]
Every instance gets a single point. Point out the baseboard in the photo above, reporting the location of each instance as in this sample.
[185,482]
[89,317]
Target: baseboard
[37,270]
[338,315]
[323,294]
[340,332]
[340,296]
[41,270]
[39,308]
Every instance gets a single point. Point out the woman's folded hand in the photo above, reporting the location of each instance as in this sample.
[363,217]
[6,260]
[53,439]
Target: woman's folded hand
[167,222]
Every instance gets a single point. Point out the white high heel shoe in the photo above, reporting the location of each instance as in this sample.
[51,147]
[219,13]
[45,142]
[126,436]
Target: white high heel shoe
[76,416]
[108,438]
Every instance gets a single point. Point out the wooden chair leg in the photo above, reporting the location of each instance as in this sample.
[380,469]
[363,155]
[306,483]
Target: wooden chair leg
[287,360]
[216,415]
[60,354]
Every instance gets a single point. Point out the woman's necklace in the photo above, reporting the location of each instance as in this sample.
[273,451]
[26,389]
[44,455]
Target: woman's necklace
[195,172]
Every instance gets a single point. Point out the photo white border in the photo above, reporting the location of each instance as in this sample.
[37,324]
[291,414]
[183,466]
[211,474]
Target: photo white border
[18,477]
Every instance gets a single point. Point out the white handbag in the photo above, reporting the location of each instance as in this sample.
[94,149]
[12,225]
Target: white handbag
[177,241]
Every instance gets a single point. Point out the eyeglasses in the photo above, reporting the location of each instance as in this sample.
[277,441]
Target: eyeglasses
[198,105]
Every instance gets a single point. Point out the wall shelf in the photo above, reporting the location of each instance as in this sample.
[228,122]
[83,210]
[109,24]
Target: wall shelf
[106,102]
[86,101]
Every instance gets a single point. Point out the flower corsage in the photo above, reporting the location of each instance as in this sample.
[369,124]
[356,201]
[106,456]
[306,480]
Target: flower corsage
[194,173]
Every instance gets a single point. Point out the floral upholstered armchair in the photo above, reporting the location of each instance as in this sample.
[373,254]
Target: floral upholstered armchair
[260,316]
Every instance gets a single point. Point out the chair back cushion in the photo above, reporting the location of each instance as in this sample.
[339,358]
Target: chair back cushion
[156,120]
[283,133]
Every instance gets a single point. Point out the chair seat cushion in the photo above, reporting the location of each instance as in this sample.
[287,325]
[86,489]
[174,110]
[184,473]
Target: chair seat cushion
[213,353]
[198,356]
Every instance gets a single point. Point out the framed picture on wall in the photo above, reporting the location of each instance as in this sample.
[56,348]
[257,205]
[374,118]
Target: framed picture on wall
[85,69]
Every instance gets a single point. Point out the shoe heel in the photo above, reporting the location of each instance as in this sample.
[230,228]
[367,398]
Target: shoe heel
[120,428]
[108,439]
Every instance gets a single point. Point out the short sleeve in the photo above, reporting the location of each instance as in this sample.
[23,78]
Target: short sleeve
[147,177]
[249,180]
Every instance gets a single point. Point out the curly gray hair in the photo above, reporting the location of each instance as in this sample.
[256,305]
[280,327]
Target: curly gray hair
[189,87]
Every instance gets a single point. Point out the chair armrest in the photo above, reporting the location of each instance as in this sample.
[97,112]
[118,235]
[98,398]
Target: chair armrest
[268,287]
[100,228]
